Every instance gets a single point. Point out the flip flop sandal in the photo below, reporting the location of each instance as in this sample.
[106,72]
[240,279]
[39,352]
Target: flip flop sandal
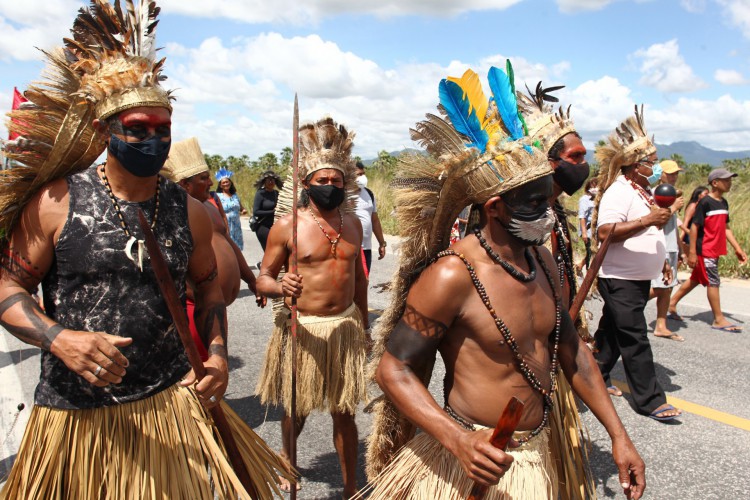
[656,415]
[728,328]
[613,390]
[675,317]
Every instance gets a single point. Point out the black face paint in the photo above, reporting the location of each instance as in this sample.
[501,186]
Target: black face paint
[571,176]
[531,218]
[142,159]
[326,197]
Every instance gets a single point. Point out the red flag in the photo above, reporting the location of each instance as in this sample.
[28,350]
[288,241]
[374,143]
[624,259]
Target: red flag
[18,98]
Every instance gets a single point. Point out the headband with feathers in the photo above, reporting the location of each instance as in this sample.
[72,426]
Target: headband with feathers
[107,66]
[545,126]
[626,145]
[223,173]
[478,149]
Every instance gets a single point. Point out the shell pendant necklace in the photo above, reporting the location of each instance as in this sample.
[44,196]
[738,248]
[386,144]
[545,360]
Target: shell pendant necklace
[333,242]
[132,240]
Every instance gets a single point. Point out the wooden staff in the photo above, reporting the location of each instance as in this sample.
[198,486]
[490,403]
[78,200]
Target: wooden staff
[580,298]
[504,430]
[179,316]
[293,270]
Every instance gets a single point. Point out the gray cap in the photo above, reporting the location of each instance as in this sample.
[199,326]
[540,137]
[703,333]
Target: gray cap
[720,173]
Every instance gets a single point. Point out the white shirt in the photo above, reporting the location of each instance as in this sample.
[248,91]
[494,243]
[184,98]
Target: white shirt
[364,210]
[640,257]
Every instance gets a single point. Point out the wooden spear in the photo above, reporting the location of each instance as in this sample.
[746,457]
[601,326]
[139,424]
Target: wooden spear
[179,316]
[596,263]
[293,266]
[504,430]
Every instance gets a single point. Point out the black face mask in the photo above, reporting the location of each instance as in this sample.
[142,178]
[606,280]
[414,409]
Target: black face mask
[326,197]
[570,176]
[142,159]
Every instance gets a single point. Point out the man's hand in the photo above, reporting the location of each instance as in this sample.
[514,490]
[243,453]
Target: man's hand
[291,285]
[678,204]
[741,256]
[481,461]
[630,467]
[214,384]
[261,300]
[85,352]
[381,252]
[667,273]
[692,259]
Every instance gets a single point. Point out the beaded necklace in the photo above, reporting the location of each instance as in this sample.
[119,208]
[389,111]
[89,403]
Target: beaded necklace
[131,239]
[564,260]
[338,236]
[515,273]
[520,361]
[645,195]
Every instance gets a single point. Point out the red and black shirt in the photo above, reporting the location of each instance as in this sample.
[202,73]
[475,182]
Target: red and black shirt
[711,217]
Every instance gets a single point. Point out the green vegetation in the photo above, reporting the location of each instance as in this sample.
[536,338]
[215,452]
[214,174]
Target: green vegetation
[382,170]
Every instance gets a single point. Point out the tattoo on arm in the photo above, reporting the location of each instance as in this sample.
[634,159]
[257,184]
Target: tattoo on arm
[416,338]
[39,332]
[214,313]
[19,269]
[218,350]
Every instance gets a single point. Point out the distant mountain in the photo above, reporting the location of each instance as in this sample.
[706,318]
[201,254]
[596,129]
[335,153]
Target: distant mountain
[694,152]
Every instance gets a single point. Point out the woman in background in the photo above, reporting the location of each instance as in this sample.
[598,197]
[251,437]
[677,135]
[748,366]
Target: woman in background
[264,204]
[232,206]
[698,193]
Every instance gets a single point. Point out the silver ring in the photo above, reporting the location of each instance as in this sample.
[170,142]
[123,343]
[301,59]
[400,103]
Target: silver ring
[98,370]
[212,399]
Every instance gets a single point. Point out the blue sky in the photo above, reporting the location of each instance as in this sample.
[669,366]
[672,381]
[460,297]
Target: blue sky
[375,66]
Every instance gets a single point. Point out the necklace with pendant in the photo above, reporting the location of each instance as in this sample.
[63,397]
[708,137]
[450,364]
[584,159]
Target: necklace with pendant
[333,242]
[131,239]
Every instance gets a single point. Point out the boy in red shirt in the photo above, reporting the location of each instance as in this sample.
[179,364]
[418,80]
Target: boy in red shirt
[709,234]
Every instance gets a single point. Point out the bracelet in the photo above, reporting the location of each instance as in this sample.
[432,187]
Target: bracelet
[383,244]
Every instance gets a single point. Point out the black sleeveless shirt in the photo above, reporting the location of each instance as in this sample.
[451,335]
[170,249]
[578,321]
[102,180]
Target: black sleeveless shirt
[93,286]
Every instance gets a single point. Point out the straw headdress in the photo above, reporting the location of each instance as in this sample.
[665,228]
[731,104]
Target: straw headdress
[545,126]
[109,65]
[479,149]
[323,144]
[627,144]
[185,160]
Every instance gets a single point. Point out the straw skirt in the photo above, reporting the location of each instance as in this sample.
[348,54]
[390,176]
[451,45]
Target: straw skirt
[331,355]
[425,470]
[162,447]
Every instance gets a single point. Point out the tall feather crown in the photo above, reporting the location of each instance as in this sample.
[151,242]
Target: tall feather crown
[545,126]
[479,148]
[107,66]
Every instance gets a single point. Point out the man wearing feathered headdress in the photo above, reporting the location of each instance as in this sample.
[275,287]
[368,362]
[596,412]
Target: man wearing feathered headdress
[331,290]
[116,395]
[187,166]
[636,255]
[491,305]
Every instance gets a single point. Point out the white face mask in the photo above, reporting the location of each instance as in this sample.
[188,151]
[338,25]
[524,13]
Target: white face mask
[361,181]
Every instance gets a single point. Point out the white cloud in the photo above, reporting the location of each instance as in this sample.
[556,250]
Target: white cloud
[33,23]
[582,5]
[296,12]
[694,6]
[738,12]
[730,77]
[665,69]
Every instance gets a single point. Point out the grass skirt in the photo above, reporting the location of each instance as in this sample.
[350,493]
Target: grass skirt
[165,446]
[425,470]
[331,355]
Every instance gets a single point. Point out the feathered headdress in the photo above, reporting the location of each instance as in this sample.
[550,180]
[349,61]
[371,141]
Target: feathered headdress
[108,66]
[627,144]
[223,173]
[545,126]
[323,144]
[185,160]
[477,150]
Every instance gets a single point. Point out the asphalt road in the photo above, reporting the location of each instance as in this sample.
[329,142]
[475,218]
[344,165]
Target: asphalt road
[704,456]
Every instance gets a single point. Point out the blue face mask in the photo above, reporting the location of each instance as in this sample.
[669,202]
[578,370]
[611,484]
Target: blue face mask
[654,178]
[142,159]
